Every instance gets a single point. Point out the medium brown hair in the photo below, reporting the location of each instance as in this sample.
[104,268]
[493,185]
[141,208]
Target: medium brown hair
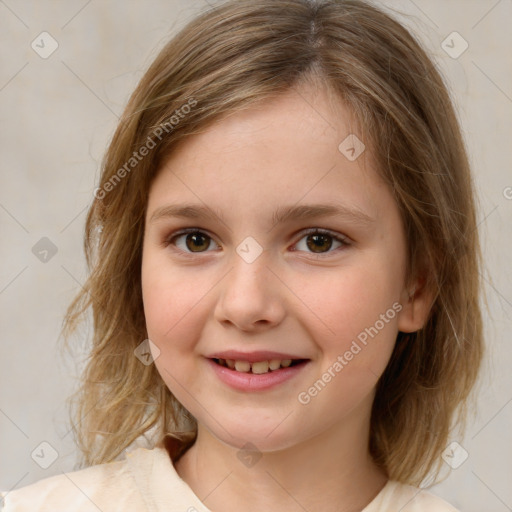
[221,62]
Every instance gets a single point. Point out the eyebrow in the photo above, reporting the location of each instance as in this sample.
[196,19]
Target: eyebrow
[280,216]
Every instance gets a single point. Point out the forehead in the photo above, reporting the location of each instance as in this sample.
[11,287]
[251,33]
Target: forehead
[306,113]
[283,150]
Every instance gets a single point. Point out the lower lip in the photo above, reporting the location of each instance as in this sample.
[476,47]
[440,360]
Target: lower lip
[252,381]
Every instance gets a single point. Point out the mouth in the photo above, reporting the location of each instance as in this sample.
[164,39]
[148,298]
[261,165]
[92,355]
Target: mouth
[258,367]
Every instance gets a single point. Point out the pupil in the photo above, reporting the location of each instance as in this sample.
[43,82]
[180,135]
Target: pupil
[319,242]
[196,241]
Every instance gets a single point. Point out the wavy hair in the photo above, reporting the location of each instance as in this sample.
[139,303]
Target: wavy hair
[221,62]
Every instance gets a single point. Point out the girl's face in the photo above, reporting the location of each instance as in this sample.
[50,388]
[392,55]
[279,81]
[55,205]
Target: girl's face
[235,272]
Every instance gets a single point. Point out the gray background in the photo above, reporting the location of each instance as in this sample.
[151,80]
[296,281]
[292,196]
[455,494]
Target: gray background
[56,117]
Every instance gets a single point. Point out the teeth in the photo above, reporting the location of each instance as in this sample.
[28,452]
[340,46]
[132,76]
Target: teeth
[258,367]
[274,364]
[242,366]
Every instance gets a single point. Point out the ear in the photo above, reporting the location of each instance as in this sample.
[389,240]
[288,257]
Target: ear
[416,300]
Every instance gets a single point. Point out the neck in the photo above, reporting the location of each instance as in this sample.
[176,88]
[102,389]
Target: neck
[332,471]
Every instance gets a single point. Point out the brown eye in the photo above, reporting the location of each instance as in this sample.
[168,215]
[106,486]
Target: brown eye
[197,242]
[191,241]
[319,243]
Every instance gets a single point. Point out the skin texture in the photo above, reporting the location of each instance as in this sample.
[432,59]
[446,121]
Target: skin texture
[290,299]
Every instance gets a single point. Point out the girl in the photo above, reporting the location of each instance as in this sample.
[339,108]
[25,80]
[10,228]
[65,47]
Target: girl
[284,274]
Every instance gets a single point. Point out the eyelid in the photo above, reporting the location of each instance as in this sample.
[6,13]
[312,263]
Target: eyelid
[345,240]
[323,231]
[168,240]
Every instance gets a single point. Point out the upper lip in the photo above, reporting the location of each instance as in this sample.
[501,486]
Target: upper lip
[253,357]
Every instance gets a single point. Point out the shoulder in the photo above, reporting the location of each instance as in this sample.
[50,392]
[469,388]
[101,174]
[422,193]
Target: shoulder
[406,498]
[90,489]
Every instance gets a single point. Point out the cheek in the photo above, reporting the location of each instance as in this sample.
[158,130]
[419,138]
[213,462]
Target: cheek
[174,308]
[170,303]
[355,314]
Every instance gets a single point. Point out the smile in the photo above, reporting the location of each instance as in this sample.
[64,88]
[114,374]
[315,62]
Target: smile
[257,367]
[261,375]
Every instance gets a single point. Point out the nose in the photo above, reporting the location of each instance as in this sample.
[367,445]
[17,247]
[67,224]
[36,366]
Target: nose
[251,296]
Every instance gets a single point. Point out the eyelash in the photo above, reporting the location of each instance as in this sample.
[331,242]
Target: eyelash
[311,231]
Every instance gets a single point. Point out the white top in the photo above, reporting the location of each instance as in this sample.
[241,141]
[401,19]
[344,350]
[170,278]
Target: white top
[146,481]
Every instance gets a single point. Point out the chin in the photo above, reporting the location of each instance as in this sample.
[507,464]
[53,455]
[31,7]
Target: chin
[264,436]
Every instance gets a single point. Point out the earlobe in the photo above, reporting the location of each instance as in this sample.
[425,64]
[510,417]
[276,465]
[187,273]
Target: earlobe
[416,304]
